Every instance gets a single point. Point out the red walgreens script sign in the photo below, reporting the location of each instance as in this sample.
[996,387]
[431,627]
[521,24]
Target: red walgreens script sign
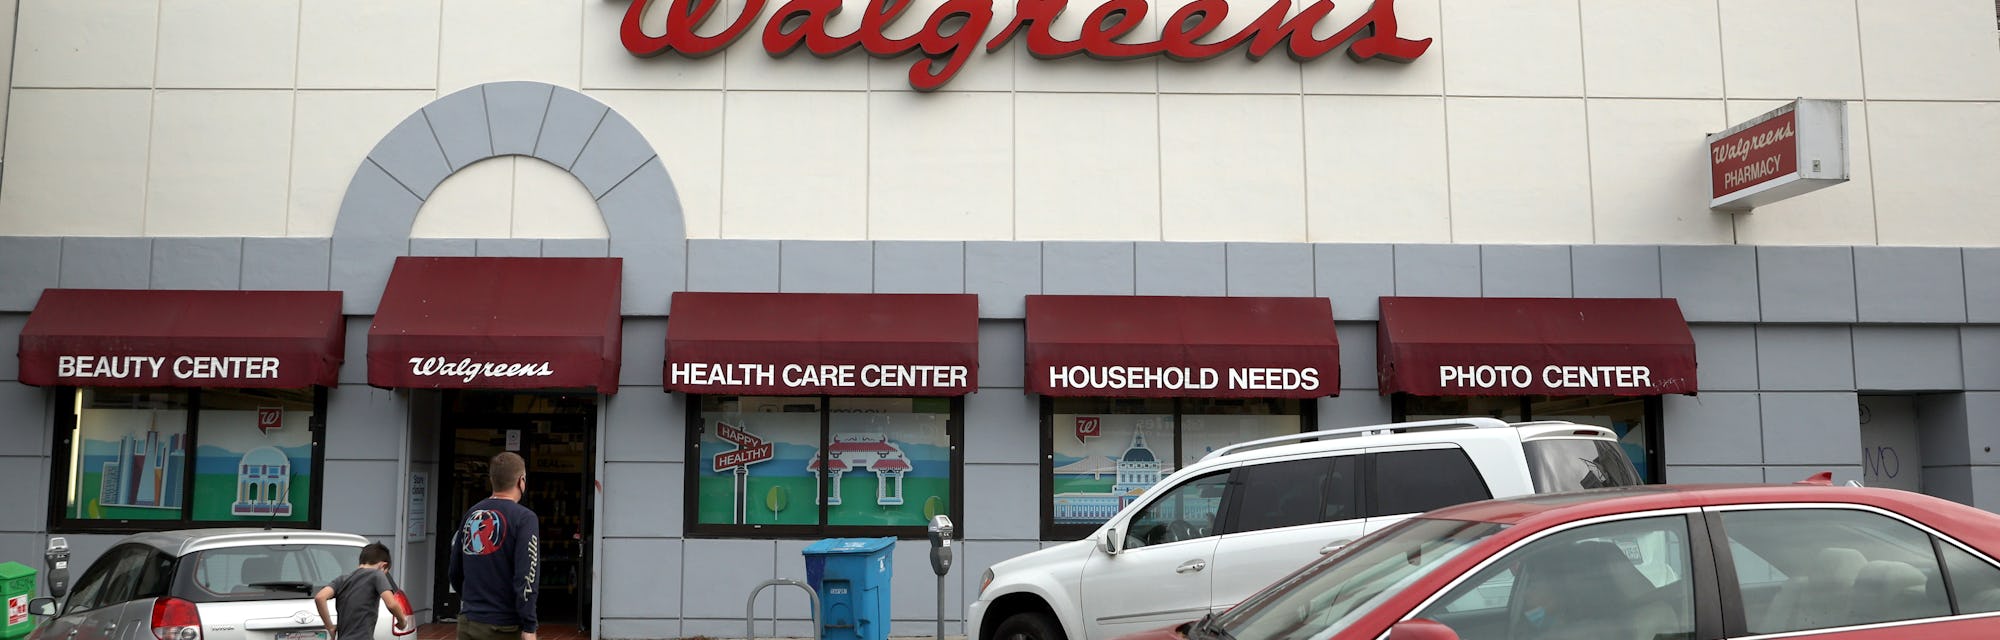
[270,419]
[1089,428]
[953,31]
[749,449]
[1754,156]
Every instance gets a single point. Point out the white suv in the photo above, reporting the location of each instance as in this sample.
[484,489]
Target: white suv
[1245,515]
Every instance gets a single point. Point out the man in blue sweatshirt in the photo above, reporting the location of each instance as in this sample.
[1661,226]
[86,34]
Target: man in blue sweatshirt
[496,558]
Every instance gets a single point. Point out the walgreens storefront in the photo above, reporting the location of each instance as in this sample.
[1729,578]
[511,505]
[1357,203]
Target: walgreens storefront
[733,278]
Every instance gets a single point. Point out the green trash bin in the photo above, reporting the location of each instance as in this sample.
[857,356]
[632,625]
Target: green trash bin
[17,587]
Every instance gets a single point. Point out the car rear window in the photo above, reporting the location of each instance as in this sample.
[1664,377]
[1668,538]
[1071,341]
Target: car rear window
[1569,464]
[264,572]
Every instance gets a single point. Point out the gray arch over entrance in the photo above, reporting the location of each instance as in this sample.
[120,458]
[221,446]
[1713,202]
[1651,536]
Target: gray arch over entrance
[641,209]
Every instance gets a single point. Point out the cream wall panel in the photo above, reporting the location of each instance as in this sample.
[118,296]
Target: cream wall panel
[369,44]
[476,202]
[1652,49]
[1086,178]
[495,40]
[1512,48]
[86,43]
[76,163]
[218,163]
[1929,49]
[551,203]
[1232,168]
[985,71]
[1843,214]
[751,68]
[332,133]
[1935,176]
[1416,20]
[1649,172]
[1785,49]
[1519,171]
[940,167]
[8,10]
[1375,169]
[685,128]
[607,65]
[229,44]
[1081,73]
[795,165]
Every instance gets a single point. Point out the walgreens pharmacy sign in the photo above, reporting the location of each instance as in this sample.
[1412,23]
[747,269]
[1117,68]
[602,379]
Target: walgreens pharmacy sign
[1791,150]
[951,34]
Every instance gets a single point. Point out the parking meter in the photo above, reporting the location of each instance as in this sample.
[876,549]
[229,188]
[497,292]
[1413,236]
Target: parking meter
[940,530]
[57,559]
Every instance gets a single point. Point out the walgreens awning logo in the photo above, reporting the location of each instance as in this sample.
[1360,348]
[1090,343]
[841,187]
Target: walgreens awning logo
[952,33]
[466,369]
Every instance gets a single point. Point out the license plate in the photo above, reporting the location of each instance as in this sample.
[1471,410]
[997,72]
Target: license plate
[316,634]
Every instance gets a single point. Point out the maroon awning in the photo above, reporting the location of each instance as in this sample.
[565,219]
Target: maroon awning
[1163,347]
[1534,346]
[131,338]
[498,323]
[845,344]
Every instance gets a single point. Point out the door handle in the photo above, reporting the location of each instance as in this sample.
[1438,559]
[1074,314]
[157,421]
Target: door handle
[1334,546]
[1192,566]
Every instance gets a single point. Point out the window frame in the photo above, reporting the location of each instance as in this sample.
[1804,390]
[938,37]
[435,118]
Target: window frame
[1656,455]
[1506,561]
[1704,566]
[1049,530]
[1223,513]
[1231,521]
[1371,490]
[62,443]
[1728,589]
[691,488]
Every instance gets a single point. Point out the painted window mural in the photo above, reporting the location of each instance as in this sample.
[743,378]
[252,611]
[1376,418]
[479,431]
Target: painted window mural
[164,458]
[130,455]
[1104,452]
[254,462]
[804,464]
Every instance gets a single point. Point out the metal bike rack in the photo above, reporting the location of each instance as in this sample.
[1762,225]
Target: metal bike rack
[750,608]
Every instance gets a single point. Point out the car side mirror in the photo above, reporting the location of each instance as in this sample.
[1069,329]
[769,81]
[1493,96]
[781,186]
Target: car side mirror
[1421,630]
[44,607]
[1113,540]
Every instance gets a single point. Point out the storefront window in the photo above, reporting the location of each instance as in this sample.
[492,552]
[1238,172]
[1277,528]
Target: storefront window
[812,466]
[1634,419]
[129,454]
[256,457]
[1102,453]
[141,459]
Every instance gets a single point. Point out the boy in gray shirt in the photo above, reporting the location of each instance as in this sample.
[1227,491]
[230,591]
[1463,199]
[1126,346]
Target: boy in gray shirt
[355,595]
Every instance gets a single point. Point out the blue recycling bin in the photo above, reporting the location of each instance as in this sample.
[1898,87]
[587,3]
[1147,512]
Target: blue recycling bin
[852,578]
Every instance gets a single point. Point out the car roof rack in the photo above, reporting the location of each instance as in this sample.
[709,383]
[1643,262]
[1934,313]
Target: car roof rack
[1395,427]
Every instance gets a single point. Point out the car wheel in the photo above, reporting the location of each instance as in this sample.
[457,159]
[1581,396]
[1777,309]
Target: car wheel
[1028,626]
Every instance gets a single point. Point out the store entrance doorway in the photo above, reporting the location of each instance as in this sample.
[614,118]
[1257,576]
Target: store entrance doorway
[556,434]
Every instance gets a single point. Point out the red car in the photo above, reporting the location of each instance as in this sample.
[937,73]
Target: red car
[1693,562]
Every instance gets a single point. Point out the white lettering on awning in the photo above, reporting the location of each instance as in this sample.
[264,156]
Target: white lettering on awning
[1551,377]
[1115,377]
[874,375]
[156,367]
[466,369]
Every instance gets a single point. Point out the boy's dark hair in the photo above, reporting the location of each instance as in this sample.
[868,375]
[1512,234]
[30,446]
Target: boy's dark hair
[504,470]
[374,552]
